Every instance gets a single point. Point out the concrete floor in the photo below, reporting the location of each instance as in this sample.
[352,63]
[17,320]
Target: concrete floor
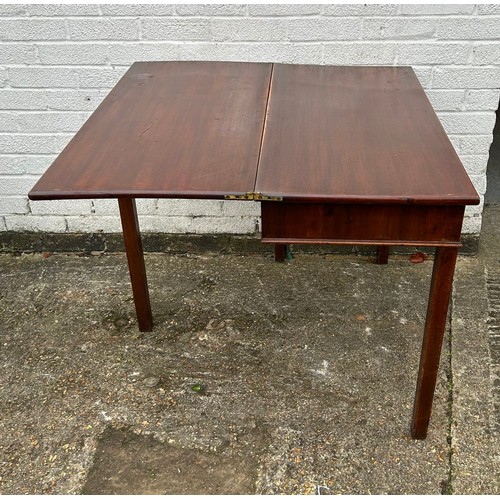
[258,377]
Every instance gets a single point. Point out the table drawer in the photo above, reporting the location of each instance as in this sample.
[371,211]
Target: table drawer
[361,223]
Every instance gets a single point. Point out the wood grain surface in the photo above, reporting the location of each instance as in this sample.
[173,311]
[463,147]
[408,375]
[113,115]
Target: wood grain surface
[357,134]
[301,133]
[349,223]
[168,129]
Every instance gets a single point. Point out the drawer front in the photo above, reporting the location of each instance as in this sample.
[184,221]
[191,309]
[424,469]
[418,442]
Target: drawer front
[361,223]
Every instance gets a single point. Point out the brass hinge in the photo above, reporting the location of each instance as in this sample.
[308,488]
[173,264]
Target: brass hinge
[245,196]
[253,196]
[265,197]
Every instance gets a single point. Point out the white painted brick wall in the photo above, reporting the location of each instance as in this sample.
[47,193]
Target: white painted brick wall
[57,63]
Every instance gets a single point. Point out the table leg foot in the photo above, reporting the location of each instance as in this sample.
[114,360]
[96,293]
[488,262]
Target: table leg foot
[439,297]
[280,250]
[382,254]
[135,257]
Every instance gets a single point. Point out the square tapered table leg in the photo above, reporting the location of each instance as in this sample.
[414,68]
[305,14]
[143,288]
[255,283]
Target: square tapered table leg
[437,310]
[135,257]
[382,254]
[280,251]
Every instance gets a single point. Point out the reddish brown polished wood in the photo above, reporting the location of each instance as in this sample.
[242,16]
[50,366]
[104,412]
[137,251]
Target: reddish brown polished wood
[439,297]
[135,257]
[382,255]
[357,134]
[289,222]
[280,252]
[168,129]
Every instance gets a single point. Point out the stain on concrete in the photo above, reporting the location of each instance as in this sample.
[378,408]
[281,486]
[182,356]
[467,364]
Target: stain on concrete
[127,463]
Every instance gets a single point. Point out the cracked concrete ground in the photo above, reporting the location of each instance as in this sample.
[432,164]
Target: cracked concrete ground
[257,378]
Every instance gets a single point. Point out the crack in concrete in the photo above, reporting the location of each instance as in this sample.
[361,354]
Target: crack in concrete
[447,485]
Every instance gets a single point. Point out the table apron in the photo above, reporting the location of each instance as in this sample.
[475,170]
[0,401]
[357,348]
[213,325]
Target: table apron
[329,223]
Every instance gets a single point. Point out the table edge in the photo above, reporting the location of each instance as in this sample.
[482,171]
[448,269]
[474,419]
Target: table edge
[220,195]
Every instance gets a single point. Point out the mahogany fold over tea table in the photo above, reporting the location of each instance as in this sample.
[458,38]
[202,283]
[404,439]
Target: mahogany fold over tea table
[335,155]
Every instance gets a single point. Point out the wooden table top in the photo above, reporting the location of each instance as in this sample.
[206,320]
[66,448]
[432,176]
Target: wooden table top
[302,133]
[354,134]
[167,129]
